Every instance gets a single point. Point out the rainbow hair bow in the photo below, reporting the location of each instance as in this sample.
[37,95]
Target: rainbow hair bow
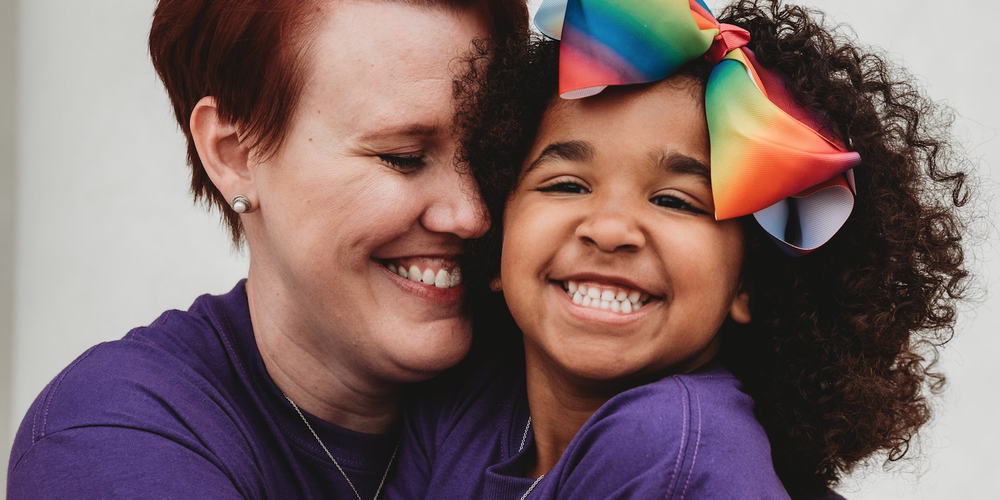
[769,157]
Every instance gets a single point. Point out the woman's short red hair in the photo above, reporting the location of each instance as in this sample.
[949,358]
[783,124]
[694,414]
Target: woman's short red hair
[248,54]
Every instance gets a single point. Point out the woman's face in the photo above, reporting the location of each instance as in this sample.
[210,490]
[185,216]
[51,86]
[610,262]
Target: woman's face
[613,263]
[366,184]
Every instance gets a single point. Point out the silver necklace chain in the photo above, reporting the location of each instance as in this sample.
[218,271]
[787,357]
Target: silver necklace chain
[341,469]
[524,437]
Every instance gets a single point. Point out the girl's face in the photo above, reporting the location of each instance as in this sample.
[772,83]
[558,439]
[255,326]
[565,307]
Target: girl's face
[613,264]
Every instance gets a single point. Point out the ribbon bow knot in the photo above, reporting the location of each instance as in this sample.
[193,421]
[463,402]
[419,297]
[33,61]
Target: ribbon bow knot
[769,157]
[730,37]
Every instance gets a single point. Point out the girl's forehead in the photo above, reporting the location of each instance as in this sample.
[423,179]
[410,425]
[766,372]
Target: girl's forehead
[665,115]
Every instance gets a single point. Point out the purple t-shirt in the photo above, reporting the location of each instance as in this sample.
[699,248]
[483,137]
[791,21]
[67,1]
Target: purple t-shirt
[685,436]
[183,409]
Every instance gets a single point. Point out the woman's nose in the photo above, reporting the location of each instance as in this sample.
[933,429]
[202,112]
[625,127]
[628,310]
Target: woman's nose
[457,207]
[611,226]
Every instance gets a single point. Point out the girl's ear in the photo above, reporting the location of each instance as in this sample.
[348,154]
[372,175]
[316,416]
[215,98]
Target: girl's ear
[739,310]
[220,151]
[496,285]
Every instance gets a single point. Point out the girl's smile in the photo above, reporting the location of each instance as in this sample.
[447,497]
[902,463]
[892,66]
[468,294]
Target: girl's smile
[613,264]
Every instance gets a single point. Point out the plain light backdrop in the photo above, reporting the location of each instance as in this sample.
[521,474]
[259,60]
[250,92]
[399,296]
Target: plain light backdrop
[99,233]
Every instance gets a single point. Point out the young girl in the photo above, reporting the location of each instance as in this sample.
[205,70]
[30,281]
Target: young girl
[681,213]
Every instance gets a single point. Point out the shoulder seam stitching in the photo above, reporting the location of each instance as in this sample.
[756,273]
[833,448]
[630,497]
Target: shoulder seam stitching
[51,394]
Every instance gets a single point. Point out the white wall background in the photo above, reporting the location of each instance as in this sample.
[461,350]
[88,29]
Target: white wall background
[8,37]
[101,234]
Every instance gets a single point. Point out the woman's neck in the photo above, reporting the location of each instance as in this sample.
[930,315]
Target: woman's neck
[312,371]
[560,405]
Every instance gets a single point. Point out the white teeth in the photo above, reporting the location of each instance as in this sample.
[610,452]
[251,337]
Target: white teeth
[428,277]
[443,279]
[599,297]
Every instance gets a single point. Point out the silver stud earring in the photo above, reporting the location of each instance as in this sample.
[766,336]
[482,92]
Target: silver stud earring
[240,204]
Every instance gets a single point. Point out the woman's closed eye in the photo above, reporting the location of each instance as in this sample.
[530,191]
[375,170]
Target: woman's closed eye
[676,203]
[404,163]
[564,186]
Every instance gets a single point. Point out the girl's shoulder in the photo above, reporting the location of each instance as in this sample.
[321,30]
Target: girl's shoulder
[691,435]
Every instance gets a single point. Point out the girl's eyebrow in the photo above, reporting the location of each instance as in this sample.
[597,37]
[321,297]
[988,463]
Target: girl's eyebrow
[685,165]
[578,151]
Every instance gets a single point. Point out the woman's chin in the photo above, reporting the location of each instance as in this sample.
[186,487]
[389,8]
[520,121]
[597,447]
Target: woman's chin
[424,355]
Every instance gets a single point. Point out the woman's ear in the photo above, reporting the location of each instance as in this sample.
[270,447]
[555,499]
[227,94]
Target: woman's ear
[739,310]
[220,151]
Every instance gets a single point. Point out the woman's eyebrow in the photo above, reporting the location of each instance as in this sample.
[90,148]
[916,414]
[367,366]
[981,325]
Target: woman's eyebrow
[578,151]
[685,165]
[399,130]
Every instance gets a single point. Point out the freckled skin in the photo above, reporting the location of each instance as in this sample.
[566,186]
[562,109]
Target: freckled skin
[332,209]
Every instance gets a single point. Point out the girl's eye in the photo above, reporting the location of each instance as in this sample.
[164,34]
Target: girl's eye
[564,187]
[404,163]
[675,203]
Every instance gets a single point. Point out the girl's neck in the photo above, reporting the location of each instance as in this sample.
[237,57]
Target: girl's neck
[315,374]
[560,405]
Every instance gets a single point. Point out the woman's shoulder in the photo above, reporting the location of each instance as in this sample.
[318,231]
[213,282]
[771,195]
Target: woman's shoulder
[178,363]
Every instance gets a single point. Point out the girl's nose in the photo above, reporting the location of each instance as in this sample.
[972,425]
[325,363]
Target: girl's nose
[611,227]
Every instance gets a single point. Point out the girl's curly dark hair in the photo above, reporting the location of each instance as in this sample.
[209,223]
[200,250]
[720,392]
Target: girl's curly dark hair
[840,355]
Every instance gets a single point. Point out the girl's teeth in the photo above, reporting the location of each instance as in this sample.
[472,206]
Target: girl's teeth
[415,273]
[392,267]
[402,272]
[618,300]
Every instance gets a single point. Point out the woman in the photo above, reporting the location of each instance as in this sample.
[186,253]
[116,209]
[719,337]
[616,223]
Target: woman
[323,132]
